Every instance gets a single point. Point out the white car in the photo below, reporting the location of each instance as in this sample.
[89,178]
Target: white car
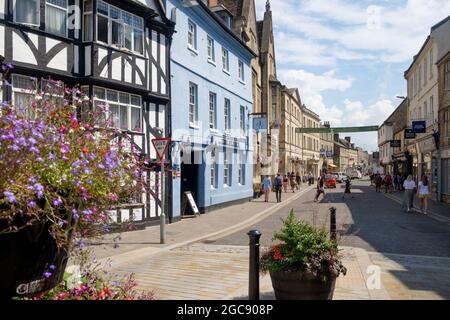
[340,176]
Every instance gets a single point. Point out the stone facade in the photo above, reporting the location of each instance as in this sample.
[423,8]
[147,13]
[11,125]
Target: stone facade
[444,127]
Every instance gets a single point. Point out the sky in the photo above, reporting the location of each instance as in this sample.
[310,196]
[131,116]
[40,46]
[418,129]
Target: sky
[348,57]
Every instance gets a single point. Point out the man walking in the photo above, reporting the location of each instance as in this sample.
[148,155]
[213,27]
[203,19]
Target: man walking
[378,181]
[278,186]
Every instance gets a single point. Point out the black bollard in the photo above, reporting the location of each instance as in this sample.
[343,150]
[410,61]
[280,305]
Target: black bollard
[253,275]
[333,223]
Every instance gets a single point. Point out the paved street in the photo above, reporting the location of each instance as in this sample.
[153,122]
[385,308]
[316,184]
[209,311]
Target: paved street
[207,257]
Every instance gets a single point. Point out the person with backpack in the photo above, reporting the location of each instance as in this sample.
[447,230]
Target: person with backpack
[278,186]
[378,180]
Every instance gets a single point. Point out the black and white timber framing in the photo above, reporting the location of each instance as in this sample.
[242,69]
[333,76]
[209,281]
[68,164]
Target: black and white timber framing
[36,53]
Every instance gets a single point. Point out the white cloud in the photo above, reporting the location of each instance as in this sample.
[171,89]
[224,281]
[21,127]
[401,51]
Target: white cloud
[349,113]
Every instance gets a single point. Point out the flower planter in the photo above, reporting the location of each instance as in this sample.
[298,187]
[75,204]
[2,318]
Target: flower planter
[24,258]
[301,286]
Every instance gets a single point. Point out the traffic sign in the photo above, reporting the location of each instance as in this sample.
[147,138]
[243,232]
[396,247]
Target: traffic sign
[161,145]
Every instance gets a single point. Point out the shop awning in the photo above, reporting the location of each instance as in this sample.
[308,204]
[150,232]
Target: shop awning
[332,165]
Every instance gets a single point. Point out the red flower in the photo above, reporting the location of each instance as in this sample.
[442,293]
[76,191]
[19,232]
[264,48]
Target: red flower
[277,256]
[85,150]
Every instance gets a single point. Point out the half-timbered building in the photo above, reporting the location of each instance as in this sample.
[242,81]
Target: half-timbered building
[116,51]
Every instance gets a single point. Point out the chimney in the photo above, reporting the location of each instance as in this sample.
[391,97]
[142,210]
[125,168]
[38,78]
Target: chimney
[353,146]
[212,3]
[349,139]
[336,137]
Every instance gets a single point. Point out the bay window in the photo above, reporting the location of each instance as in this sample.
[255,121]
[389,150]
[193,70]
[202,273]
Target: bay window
[27,12]
[124,109]
[119,28]
[56,17]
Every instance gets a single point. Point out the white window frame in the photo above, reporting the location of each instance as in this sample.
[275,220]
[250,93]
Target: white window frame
[210,45]
[38,3]
[66,10]
[225,60]
[227,113]
[213,172]
[90,14]
[431,64]
[241,69]
[192,34]
[212,103]
[242,119]
[226,169]
[193,106]
[124,25]
[129,106]
[31,92]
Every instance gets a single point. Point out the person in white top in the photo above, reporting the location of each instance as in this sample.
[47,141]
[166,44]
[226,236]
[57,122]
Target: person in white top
[408,198]
[423,192]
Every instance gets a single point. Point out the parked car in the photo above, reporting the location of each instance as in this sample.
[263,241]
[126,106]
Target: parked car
[330,181]
[340,176]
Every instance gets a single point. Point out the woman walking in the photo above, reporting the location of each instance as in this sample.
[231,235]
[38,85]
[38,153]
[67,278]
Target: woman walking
[408,197]
[423,191]
[293,182]
[267,186]
[285,183]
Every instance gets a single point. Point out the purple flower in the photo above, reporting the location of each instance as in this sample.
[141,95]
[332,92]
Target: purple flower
[39,189]
[32,141]
[10,196]
[47,274]
[39,159]
[51,156]
[31,204]
[57,202]
[34,149]
[52,267]
[101,166]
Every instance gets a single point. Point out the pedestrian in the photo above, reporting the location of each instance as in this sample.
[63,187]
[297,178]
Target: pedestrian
[347,188]
[310,179]
[285,183]
[298,179]
[423,192]
[388,183]
[278,186]
[408,197]
[372,177]
[377,181]
[396,182]
[293,182]
[402,181]
[267,186]
[320,188]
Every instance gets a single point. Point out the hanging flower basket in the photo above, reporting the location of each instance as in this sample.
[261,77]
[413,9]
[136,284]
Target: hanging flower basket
[30,261]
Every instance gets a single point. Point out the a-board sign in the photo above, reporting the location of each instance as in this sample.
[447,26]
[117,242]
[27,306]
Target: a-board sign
[188,198]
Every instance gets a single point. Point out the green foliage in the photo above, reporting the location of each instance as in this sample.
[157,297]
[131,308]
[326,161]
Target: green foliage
[303,248]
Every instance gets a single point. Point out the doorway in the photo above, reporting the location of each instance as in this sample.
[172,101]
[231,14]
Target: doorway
[189,182]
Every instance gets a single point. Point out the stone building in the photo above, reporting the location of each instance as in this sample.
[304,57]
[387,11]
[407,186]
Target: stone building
[444,127]
[290,140]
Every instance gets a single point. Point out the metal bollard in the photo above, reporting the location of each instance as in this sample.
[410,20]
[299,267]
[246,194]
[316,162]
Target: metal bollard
[333,223]
[253,275]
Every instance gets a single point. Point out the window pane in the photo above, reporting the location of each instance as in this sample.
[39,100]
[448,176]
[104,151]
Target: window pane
[114,114]
[99,93]
[87,25]
[117,33]
[138,23]
[127,18]
[112,95]
[27,11]
[138,41]
[22,104]
[124,117]
[22,82]
[136,101]
[136,123]
[102,8]
[124,98]
[102,29]
[88,6]
[56,20]
[114,12]
[128,37]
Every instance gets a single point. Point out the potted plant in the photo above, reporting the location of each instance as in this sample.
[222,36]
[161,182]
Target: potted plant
[60,175]
[304,264]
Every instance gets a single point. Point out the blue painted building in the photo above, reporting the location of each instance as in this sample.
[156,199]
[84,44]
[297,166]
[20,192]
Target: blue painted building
[211,105]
